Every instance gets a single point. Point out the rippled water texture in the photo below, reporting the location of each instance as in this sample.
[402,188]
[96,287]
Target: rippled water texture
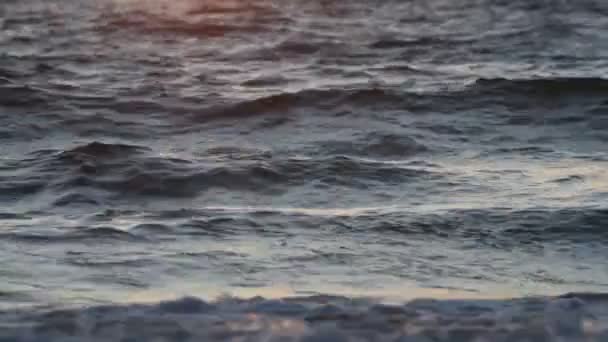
[152,149]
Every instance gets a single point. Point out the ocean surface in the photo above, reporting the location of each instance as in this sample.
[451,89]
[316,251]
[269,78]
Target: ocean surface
[315,171]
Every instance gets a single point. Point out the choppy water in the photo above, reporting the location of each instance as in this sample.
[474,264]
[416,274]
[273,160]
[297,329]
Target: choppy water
[152,149]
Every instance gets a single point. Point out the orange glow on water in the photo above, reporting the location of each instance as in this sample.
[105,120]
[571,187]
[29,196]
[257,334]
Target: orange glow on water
[192,18]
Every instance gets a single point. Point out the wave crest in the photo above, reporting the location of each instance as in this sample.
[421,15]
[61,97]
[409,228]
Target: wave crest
[319,319]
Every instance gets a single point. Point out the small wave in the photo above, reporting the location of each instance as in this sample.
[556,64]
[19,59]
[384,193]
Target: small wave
[13,95]
[516,94]
[578,225]
[524,102]
[494,227]
[324,257]
[503,228]
[545,87]
[305,99]
[72,199]
[148,229]
[219,226]
[382,145]
[89,159]
[99,173]
[262,177]
[87,174]
[291,47]
[75,234]
[16,189]
[394,43]
[227,152]
[522,150]
[320,318]
[14,216]
[102,150]
[98,262]
[265,81]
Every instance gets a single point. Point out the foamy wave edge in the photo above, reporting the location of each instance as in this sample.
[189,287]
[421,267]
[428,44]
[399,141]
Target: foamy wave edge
[571,317]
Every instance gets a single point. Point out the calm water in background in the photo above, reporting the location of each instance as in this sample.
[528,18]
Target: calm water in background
[151,149]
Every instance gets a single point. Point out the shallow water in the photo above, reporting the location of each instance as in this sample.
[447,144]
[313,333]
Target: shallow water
[155,149]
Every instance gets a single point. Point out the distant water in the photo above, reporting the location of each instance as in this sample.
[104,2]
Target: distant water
[347,153]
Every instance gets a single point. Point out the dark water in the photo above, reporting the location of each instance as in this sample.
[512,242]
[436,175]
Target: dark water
[154,149]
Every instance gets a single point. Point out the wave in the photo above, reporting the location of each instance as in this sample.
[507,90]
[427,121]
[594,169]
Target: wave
[285,103]
[518,95]
[102,150]
[519,101]
[571,317]
[73,234]
[87,174]
[545,87]
[492,228]
[377,145]
[262,177]
[14,95]
[395,43]
[497,227]
[535,101]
